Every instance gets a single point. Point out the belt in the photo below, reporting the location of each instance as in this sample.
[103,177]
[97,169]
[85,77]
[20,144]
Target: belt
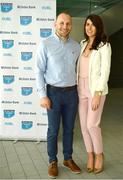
[61,88]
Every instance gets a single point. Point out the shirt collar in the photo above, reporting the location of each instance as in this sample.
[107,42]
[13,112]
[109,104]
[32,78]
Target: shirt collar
[60,39]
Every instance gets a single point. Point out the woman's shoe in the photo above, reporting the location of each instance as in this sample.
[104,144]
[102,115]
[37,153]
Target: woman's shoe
[90,164]
[89,170]
[99,163]
[96,171]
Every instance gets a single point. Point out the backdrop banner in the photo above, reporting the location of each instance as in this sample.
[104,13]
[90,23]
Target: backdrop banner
[23,23]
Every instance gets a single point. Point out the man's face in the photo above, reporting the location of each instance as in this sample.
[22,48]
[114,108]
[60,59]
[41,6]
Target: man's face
[63,25]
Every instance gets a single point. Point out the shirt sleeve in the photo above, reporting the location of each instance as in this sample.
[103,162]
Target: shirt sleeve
[105,54]
[40,69]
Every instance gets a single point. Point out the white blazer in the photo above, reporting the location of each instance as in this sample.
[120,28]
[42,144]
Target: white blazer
[99,68]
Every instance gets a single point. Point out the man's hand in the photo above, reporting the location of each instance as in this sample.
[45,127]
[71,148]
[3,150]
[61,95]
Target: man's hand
[45,103]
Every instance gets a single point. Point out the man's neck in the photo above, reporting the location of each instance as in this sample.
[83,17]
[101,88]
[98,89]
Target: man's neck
[64,39]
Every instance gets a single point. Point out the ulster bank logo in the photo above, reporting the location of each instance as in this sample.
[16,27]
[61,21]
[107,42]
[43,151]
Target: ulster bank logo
[45,32]
[27,124]
[6,44]
[25,56]
[8,113]
[6,7]
[8,79]
[25,91]
[25,20]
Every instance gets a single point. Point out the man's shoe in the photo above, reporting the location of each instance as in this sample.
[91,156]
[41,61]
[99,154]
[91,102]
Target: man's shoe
[53,170]
[70,164]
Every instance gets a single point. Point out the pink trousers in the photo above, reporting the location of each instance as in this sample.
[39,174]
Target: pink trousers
[89,119]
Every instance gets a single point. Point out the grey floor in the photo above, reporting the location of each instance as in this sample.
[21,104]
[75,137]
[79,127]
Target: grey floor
[28,160]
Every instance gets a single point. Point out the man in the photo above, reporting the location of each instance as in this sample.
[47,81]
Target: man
[55,68]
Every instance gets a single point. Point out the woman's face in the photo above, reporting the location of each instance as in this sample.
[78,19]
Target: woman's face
[90,29]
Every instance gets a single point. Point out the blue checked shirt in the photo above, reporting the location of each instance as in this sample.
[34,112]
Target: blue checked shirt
[56,63]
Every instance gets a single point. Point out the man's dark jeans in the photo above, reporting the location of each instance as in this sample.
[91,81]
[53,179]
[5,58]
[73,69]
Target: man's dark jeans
[64,107]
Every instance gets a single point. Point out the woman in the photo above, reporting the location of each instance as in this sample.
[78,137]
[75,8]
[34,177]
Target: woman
[93,74]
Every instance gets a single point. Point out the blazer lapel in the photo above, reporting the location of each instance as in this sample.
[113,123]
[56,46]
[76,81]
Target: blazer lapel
[83,47]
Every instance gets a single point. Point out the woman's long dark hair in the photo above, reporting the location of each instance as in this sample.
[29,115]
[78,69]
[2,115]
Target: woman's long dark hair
[100,34]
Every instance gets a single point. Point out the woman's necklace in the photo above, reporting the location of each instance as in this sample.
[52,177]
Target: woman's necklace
[87,50]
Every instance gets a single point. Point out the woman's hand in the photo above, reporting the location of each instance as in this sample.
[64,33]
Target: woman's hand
[96,101]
